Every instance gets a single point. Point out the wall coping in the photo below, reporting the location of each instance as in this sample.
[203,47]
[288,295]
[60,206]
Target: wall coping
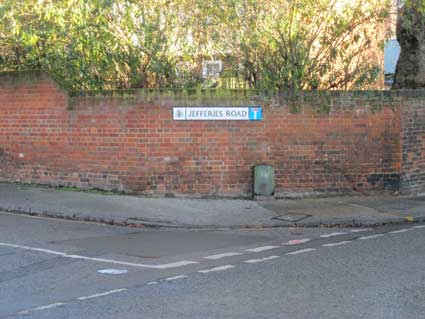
[233,96]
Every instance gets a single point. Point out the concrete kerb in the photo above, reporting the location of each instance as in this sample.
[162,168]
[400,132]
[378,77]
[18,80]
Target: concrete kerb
[350,223]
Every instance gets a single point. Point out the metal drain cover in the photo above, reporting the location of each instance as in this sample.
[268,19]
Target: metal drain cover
[291,217]
[419,198]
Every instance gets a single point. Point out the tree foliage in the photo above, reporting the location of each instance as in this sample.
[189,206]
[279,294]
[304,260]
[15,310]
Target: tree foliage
[266,44]
[313,44]
[92,44]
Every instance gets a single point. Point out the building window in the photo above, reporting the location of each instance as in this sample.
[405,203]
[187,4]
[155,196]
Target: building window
[211,68]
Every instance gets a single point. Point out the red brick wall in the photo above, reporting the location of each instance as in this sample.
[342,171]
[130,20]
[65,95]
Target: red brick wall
[128,143]
[413,147]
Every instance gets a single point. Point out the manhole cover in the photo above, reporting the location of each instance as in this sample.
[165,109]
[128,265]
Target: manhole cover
[420,198]
[291,217]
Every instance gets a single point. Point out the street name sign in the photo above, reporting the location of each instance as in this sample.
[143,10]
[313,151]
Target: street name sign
[222,113]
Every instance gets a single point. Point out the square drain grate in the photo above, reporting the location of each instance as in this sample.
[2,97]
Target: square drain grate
[291,217]
[419,198]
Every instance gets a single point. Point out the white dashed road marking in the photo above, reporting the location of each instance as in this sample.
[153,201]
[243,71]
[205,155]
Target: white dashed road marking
[53,305]
[109,261]
[302,251]
[175,278]
[333,234]
[219,256]
[260,249]
[102,294]
[360,230]
[419,226]
[220,268]
[400,231]
[370,237]
[172,265]
[297,241]
[254,261]
[337,244]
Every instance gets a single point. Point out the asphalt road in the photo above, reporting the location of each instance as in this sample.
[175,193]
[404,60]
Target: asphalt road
[50,269]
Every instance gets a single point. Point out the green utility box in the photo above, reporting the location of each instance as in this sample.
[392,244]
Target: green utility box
[264,180]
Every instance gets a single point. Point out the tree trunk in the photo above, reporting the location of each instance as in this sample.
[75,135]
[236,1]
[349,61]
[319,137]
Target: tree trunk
[410,71]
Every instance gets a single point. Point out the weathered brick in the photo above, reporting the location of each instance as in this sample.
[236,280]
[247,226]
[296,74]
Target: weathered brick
[132,145]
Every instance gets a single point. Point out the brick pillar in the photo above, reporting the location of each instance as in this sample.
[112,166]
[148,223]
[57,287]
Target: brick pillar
[413,146]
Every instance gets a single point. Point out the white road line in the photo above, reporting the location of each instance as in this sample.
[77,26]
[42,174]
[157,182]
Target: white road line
[399,231]
[173,265]
[301,251]
[253,261]
[360,230]
[260,249]
[41,250]
[53,305]
[333,234]
[370,237]
[297,241]
[219,256]
[109,261]
[337,244]
[175,278]
[419,227]
[102,294]
[220,268]
[152,283]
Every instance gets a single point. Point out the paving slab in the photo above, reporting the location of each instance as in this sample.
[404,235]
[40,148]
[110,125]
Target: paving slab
[211,213]
[133,210]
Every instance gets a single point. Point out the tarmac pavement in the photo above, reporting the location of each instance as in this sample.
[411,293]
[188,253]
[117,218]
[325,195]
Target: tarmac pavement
[344,211]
